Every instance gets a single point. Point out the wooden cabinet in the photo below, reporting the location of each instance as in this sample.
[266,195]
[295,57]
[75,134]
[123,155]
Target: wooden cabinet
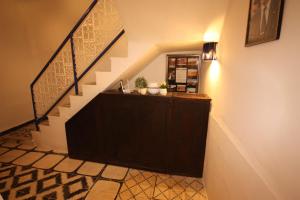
[158,133]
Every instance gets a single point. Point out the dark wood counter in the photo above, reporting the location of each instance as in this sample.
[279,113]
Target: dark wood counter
[158,133]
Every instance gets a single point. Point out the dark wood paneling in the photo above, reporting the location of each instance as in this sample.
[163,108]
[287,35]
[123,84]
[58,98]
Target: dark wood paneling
[163,134]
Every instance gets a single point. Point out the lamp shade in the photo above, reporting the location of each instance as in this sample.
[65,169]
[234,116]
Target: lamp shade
[209,51]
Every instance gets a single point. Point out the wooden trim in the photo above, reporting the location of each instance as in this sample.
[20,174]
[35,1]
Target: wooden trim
[16,127]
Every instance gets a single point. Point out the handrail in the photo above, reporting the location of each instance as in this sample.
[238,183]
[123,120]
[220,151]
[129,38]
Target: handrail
[76,79]
[85,71]
[79,22]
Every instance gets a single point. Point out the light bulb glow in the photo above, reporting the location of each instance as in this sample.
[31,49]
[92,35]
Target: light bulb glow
[214,71]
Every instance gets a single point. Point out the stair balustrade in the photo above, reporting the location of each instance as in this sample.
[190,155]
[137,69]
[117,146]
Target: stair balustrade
[97,30]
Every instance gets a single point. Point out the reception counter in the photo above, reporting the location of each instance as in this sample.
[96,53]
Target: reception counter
[158,133]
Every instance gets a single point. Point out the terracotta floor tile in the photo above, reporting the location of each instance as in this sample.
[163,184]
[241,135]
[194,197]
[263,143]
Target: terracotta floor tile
[3,150]
[90,168]
[68,165]
[48,161]
[104,190]
[42,149]
[11,155]
[28,146]
[114,172]
[11,144]
[28,158]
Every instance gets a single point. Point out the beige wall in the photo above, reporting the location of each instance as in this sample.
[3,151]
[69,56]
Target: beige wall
[155,72]
[175,22]
[254,128]
[30,33]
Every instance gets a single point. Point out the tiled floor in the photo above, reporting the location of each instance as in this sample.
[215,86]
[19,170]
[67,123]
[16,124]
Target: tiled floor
[28,172]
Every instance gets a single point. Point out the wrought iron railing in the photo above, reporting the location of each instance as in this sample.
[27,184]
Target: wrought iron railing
[97,30]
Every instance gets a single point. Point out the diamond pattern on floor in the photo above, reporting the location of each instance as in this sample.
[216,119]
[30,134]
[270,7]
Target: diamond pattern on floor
[138,185]
[34,175]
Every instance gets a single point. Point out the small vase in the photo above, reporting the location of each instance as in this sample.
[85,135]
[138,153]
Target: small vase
[163,91]
[143,91]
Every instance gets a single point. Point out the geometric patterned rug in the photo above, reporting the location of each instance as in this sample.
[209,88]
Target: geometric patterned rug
[18,182]
[28,182]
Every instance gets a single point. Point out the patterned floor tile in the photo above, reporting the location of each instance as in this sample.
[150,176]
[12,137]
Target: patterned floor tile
[170,187]
[138,185]
[6,184]
[114,172]
[68,165]
[48,161]
[53,177]
[90,168]
[25,191]
[11,155]
[7,172]
[3,150]
[78,188]
[52,194]
[28,158]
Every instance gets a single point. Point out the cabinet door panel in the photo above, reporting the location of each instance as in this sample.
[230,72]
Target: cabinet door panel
[153,112]
[187,135]
[117,125]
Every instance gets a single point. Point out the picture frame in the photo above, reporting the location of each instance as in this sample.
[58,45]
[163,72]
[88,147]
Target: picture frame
[183,72]
[264,21]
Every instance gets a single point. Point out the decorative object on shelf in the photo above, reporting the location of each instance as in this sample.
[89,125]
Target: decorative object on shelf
[209,51]
[123,89]
[141,84]
[264,21]
[163,89]
[153,88]
[183,73]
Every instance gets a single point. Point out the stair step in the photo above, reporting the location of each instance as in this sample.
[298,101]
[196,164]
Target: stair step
[45,122]
[91,83]
[79,94]
[67,105]
[55,114]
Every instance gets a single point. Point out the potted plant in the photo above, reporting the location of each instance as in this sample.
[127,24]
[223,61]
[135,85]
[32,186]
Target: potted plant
[163,89]
[141,84]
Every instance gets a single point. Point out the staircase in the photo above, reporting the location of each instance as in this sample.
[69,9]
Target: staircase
[90,59]
[94,56]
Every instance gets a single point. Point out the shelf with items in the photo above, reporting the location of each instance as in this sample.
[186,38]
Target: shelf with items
[183,73]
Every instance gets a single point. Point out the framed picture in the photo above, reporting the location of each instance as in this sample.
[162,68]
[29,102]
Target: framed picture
[264,21]
[183,73]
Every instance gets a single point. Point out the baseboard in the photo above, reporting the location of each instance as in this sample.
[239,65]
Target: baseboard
[16,127]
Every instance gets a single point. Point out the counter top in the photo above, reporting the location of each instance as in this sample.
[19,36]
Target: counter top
[170,94]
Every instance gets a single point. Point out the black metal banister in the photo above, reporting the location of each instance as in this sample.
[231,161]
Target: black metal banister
[74,66]
[85,71]
[79,22]
[43,116]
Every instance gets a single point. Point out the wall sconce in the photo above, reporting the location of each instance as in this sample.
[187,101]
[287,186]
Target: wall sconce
[209,51]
